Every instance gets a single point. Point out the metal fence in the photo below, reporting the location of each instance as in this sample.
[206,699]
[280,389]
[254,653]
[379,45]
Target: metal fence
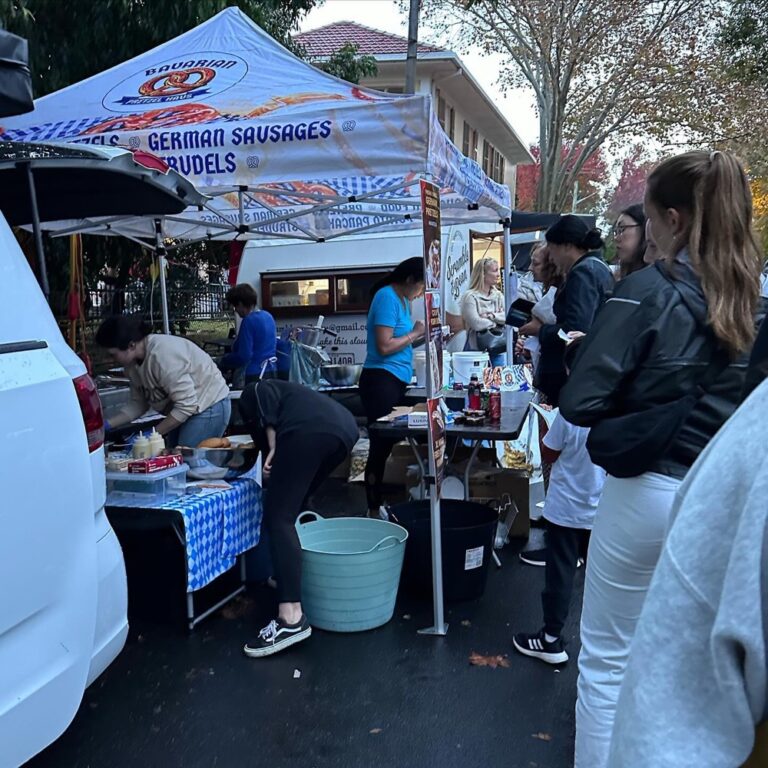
[200,314]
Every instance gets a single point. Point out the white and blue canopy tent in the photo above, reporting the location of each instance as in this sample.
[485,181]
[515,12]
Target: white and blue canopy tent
[282,148]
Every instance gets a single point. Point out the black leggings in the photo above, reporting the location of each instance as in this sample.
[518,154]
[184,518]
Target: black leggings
[380,392]
[300,464]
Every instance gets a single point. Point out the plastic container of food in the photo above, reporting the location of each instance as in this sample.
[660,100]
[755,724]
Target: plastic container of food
[150,490]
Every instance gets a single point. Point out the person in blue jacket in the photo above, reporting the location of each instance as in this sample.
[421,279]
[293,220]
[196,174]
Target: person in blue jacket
[254,346]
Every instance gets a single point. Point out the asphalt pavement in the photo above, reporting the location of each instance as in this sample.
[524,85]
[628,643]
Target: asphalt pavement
[388,697]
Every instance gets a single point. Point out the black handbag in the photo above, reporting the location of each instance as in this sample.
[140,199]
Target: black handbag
[493,340]
[15,79]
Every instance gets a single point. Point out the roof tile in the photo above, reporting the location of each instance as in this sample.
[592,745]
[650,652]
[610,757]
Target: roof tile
[326,40]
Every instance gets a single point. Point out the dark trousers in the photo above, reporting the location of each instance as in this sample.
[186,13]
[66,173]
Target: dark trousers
[300,464]
[380,392]
[564,547]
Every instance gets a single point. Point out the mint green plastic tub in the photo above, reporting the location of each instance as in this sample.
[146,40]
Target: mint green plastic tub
[350,570]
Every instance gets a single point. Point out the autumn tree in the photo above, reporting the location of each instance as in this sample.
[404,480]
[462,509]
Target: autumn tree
[588,188]
[600,70]
[630,188]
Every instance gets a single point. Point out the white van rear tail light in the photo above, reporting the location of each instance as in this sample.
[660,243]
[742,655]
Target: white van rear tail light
[90,405]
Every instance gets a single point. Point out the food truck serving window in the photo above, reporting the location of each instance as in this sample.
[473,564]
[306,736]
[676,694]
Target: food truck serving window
[353,292]
[295,293]
[309,294]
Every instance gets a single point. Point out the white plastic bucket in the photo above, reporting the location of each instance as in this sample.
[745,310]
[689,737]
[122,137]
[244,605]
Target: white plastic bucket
[467,363]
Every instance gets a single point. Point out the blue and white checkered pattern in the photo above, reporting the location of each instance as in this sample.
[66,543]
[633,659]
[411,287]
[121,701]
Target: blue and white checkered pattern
[219,526]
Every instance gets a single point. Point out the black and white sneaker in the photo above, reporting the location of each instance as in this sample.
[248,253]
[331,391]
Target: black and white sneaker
[536,557]
[277,636]
[537,647]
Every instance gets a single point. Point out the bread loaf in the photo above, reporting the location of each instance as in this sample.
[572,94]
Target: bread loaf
[215,442]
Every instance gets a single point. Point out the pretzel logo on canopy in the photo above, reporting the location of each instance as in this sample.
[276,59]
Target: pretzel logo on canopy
[180,81]
[192,77]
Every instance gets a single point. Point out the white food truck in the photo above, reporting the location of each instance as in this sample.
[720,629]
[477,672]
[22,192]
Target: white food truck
[298,282]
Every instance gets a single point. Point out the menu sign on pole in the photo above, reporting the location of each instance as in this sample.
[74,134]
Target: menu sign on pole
[430,217]
[430,212]
[434,338]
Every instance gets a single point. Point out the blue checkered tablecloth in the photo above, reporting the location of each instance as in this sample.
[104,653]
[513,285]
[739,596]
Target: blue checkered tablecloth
[219,526]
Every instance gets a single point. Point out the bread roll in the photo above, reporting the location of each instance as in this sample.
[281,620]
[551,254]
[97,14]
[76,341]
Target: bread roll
[215,442]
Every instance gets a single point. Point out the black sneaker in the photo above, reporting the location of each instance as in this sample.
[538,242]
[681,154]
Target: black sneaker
[277,636]
[534,557]
[538,648]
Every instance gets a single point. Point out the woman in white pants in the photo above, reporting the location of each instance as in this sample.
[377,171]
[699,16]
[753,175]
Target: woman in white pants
[658,374]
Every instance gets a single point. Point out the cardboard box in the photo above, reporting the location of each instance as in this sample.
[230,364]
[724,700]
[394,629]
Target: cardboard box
[399,461]
[418,417]
[493,484]
[342,471]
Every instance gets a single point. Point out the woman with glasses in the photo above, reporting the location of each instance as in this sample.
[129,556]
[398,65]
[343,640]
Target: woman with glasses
[629,236]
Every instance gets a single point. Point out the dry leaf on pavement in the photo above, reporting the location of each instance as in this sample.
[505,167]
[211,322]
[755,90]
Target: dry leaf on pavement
[542,736]
[478,660]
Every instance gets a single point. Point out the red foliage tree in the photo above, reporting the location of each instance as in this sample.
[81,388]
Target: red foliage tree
[631,187]
[590,181]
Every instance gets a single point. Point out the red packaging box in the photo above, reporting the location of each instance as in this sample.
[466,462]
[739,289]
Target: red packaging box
[158,464]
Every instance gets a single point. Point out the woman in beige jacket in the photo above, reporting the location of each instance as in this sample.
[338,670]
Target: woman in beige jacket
[482,306]
[171,375]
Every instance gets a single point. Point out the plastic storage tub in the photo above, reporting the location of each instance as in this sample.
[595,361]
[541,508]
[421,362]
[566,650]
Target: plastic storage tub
[127,490]
[350,571]
[468,532]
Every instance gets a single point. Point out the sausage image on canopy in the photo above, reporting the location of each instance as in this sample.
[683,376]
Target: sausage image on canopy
[167,117]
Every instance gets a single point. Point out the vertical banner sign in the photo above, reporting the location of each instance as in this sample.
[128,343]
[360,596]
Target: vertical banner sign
[434,336]
[430,216]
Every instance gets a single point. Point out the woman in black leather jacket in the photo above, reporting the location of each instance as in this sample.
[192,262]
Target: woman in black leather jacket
[688,318]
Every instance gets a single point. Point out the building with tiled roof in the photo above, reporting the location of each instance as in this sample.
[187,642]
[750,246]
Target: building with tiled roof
[325,41]
[468,115]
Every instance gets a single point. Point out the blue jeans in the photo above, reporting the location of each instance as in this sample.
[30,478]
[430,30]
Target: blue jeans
[212,422]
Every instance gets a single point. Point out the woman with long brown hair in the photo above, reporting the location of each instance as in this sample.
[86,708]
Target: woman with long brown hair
[658,374]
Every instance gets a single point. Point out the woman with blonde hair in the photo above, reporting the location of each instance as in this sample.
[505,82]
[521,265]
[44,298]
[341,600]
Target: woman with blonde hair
[482,305]
[660,371]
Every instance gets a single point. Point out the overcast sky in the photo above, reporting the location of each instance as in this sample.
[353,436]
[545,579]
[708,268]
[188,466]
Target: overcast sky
[517,106]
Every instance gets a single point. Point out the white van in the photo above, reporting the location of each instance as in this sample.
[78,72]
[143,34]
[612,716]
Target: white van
[63,599]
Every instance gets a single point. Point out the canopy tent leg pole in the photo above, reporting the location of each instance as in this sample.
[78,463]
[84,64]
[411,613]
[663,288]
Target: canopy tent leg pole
[43,270]
[508,298]
[162,263]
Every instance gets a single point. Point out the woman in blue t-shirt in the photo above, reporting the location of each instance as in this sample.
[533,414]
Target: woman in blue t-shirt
[388,365]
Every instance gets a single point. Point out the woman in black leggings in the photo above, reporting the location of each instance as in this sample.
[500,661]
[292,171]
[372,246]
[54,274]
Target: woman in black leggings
[388,365]
[305,436]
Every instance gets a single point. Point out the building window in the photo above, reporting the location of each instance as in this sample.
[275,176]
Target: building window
[498,166]
[473,146]
[440,108]
[465,139]
[452,124]
[487,151]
